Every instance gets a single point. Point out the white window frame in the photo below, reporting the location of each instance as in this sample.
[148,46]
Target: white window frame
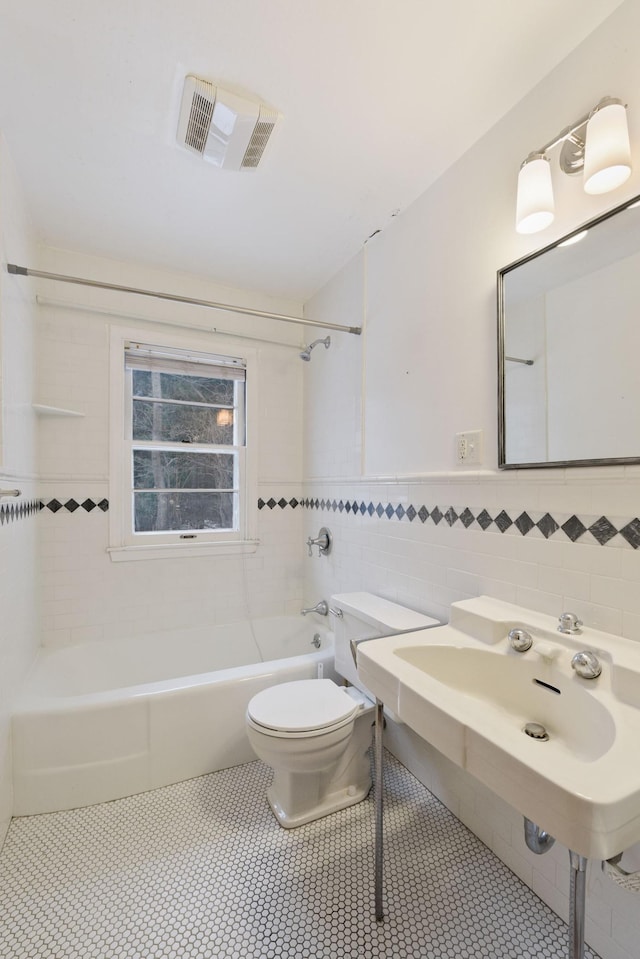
[126,545]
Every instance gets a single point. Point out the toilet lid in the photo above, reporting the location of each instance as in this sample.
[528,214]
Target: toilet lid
[301,705]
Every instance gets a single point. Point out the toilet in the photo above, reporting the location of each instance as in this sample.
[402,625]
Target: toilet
[315,734]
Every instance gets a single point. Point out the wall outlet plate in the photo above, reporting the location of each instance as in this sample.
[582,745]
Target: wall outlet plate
[469,448]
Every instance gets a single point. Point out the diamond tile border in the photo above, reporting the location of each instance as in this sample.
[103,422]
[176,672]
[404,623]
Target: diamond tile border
[72,505]
[14,511]
[600,530]
[592,529]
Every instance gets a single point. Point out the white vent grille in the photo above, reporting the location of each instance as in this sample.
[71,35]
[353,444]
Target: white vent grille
[228,130]
[260,138]
[199,122]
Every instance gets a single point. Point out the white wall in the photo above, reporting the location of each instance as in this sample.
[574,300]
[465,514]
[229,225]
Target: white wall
[426,369]
[85,596]
[18,536]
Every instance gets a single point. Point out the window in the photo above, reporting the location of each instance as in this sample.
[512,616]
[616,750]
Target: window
[183,462]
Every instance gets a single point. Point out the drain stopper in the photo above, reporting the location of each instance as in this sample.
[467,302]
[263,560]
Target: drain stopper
[536,731]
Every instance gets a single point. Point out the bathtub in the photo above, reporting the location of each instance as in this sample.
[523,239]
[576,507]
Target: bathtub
[99,721]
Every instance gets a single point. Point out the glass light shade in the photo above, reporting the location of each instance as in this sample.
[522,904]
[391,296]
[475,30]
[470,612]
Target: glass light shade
[607,160]
[534,207]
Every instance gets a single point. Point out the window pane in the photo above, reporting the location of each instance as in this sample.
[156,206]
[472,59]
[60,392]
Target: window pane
[160,469]
[155,512]
[173,386]
[181,424]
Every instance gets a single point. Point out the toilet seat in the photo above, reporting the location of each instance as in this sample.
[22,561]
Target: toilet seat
[302,706]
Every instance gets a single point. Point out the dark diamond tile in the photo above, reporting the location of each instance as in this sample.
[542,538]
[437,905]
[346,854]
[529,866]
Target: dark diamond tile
[484,520]
[451,516]
[371,509]
[282,502]
[88,504]
[271,503]
[354,506]
[524,523]
[389,510]
[334,505]
[347,506]
[293,503]
[322,504]
[631,533]
[400,510]
[423,513]
[261,503]
[436,515]
[547,525]
[363,508]
[341,506]
[71,505]
[103,505]
[603,530]
[466,517]
[503,521]
[411,513]
[574,528]
[380,509]
[54,505]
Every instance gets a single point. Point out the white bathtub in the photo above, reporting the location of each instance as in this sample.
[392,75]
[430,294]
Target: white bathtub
[100,721]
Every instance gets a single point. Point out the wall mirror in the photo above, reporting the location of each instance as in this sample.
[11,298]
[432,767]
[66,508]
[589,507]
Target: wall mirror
[569,348]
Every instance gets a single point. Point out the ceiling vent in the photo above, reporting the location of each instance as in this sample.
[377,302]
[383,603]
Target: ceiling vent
[228,130]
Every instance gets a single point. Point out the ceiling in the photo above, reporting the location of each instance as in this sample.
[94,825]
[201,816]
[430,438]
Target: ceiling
[379,97]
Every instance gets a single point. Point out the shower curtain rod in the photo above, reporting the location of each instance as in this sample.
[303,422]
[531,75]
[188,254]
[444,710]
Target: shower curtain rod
[209,304]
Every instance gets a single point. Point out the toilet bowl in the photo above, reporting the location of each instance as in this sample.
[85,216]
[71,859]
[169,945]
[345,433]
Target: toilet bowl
[316,735]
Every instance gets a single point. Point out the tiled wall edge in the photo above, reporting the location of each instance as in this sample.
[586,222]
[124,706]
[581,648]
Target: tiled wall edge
[599,530]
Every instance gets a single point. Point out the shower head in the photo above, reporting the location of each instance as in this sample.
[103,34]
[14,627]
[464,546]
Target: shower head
[306,353]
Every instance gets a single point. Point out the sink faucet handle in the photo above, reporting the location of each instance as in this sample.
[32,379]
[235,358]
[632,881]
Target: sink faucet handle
[520,640]
[586,664]
[569,623]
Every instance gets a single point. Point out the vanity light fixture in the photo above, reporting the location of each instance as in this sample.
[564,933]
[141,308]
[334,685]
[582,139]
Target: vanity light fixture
[596,145]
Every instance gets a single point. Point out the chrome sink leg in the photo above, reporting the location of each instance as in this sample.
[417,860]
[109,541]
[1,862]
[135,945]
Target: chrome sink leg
[378,797]
[577,905]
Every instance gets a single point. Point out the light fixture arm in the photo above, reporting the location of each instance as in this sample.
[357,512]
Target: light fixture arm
[596,145]
[573,128]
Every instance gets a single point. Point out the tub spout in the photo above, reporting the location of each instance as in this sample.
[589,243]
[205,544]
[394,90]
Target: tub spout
[321,608]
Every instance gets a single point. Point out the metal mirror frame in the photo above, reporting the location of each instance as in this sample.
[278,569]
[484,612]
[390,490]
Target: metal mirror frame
[502,273]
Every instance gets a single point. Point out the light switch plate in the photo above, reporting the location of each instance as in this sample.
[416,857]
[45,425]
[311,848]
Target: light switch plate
[469,448]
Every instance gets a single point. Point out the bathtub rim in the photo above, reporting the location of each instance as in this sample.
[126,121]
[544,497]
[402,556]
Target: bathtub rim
[36,703]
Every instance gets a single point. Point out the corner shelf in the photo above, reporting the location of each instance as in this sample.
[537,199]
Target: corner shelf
[41,410]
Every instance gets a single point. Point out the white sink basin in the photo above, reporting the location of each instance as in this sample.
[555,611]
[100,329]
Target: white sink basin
[463,689]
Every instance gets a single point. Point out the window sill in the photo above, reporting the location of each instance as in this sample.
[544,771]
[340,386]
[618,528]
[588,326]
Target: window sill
[128,554]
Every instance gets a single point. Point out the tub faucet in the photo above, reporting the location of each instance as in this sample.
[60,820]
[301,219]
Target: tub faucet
[321,608]
[323,541]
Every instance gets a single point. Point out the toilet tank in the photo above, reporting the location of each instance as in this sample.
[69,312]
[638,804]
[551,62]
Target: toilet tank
[365,616]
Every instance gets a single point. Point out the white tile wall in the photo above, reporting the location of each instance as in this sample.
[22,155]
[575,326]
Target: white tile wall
[85,596]
[18,582]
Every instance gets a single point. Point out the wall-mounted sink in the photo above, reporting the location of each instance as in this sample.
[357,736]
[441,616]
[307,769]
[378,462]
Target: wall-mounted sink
[466,691]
